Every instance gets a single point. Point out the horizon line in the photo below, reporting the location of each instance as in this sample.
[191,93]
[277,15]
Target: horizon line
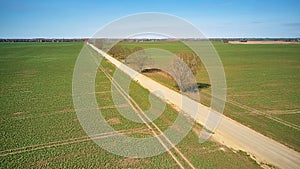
[33,38]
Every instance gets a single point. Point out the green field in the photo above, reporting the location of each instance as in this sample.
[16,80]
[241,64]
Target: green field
[40,129]
[264,79]
[262,85]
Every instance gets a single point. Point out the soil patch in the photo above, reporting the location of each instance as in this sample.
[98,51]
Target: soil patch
[114,121]
[262,42]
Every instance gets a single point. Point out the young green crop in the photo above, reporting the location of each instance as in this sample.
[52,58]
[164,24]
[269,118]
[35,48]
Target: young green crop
[40,129]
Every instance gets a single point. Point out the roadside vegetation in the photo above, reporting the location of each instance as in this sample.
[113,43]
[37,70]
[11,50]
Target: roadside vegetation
[262,85]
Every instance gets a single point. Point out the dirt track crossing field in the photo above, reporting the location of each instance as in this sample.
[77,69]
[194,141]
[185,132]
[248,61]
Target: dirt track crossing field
[267,115]
[143,116]
[229,132]
[67,142]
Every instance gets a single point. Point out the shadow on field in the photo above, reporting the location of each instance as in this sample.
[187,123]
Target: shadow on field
[168,77]
[203,85]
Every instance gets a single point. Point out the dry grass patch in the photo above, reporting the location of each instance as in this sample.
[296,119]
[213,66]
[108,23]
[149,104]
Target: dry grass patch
[114,121]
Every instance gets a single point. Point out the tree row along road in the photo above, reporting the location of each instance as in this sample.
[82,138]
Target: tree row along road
[229,132]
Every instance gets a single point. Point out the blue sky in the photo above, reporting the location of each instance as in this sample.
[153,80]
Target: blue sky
[215,18]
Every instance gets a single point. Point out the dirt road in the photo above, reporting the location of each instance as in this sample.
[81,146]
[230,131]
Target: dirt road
[143,116]
[229,132]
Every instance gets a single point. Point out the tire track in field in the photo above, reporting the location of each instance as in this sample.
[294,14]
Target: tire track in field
[55,112]
[141,114]
[130,101]
[258,112]
[255,111]
[69,141]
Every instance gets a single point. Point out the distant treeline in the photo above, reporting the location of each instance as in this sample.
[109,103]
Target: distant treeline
[153,40]
[43,40]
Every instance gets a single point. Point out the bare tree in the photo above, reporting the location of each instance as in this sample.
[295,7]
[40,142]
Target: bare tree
[182,74]
[99,43]
[191,60]
[141,59]
[119,52]
[138,59]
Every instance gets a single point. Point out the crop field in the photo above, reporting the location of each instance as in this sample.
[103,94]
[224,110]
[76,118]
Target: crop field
[262,85]
[40,129]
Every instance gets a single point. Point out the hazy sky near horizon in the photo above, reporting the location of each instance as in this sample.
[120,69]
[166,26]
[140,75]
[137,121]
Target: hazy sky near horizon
[214,18]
